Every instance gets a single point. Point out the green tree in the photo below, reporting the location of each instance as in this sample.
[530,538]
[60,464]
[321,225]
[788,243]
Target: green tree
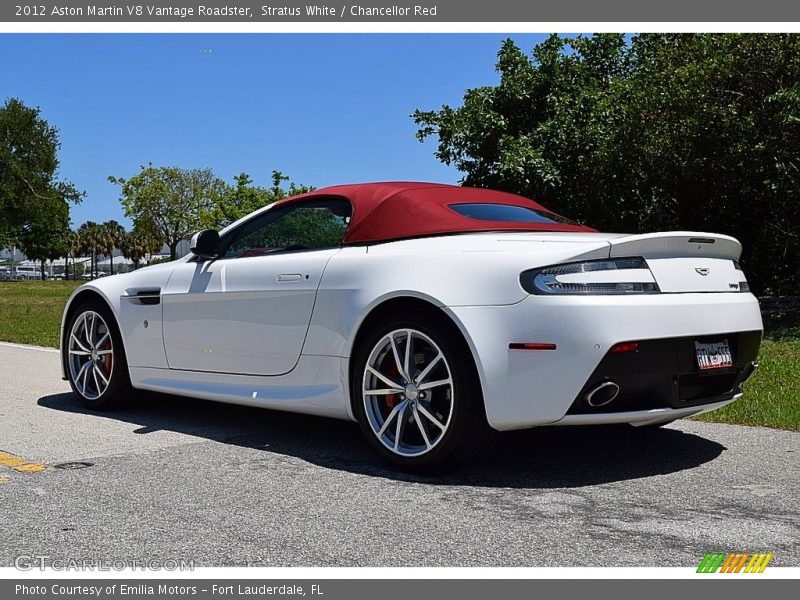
[44,239]
[664,131]
[244,198]
[31,195]
[171,201]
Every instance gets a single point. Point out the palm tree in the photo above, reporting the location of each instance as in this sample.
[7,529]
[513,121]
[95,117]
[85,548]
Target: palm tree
[72,247]
[138,243]
[91,241]
[81,235]
[113,234]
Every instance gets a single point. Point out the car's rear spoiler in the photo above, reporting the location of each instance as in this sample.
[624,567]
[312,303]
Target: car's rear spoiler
[674,244]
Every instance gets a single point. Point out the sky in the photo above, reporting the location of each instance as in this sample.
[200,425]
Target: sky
[322,108]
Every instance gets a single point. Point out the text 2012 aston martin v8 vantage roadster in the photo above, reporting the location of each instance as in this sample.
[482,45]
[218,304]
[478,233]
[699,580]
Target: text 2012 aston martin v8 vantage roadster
[430,314]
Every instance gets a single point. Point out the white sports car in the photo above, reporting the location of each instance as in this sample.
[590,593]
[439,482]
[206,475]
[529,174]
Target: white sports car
[430,314]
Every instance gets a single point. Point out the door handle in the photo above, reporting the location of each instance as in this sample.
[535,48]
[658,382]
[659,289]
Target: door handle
[286,277]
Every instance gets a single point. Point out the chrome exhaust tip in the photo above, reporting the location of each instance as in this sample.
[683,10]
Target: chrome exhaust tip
[602,394]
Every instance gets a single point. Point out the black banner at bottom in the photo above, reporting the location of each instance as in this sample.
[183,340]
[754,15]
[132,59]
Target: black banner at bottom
[390,589]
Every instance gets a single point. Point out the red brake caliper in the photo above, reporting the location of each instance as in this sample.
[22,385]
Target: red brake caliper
[394,373]
[107,359]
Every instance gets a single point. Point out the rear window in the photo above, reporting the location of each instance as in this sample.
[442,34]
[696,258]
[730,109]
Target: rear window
[509,213]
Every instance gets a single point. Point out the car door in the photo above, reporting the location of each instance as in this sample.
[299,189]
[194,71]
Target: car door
[248,311]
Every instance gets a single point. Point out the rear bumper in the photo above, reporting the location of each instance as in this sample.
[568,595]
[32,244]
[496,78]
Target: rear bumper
[663,373]
[529,388]
[640,418]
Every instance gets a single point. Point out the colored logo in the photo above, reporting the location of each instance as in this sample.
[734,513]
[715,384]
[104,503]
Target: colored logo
[734,562]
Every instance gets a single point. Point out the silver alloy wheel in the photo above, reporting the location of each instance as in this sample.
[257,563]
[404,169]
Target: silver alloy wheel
[90,355]
[407,390]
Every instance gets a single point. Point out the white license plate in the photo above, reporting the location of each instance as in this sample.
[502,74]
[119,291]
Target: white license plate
[713,355]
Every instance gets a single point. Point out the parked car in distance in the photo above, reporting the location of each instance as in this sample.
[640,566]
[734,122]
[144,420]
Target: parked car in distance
[432,315]
[25,272]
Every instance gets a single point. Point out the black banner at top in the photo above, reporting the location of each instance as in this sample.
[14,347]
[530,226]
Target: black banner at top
[110,11]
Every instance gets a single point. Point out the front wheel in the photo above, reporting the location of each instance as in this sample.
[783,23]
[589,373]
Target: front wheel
[95,360]
[417,396]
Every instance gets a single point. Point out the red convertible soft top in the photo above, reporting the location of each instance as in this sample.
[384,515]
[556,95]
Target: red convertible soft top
[396,210]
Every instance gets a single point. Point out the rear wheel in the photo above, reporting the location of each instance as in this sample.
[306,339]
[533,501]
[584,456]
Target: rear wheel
[95,360]
[417,396]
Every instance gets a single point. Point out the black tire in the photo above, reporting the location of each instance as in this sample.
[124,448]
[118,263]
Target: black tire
[119,391]
[468,434]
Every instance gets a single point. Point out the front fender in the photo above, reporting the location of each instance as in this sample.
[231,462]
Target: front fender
[139,325]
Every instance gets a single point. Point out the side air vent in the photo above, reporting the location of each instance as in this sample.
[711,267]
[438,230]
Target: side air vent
[143,296]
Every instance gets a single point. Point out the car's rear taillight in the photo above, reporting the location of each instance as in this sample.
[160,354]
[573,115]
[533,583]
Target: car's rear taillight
[600,277]
[743,285]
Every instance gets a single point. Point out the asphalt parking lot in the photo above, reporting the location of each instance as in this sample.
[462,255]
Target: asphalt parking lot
[175,478]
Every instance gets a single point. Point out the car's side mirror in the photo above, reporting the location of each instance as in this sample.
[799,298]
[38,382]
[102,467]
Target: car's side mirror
[205,244]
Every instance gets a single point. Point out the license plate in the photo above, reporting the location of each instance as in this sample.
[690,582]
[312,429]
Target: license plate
[713,355]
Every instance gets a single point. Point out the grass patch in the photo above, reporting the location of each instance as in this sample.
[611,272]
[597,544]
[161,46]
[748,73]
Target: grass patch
[30,313]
